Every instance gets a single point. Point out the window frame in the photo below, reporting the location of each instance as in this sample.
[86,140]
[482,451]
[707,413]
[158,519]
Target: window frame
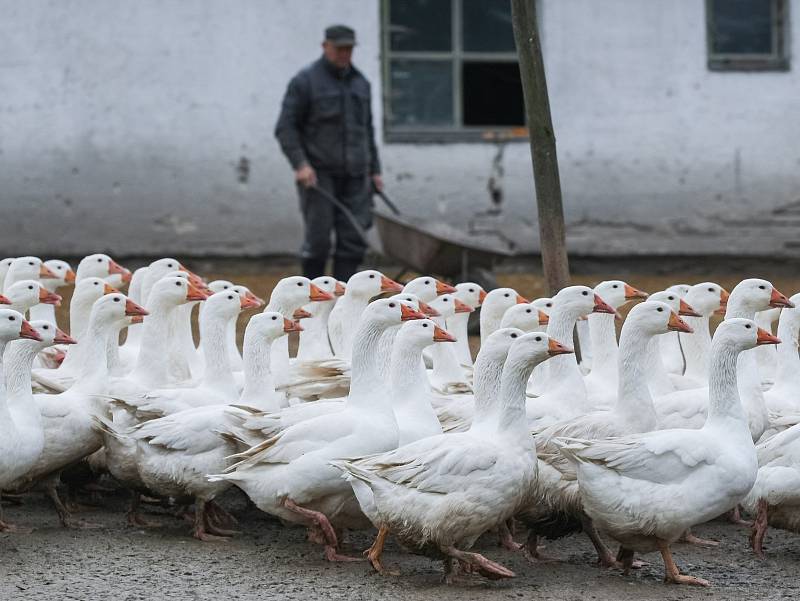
[777,60]
[456,56]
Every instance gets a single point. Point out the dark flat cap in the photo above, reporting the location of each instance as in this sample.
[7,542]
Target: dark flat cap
[340,35]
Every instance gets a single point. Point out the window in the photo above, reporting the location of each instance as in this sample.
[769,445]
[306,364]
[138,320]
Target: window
[450,70]
[748,35]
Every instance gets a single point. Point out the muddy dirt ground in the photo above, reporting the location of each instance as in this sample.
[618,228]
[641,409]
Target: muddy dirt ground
[269,561]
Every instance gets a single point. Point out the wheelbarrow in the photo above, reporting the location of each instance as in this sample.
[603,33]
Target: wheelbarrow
[436,249]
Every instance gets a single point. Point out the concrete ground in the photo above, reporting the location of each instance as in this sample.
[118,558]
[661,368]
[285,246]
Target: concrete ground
[270,561]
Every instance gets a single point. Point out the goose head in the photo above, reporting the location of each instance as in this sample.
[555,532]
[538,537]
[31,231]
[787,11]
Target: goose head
[535,347]
[447,305]
[174,290]
[707,298]
[116,310]
[421,333]
[616,293]
[499,300]
[100,265]
[680,289]
[412,300]
[27,293]
[90,289]
[655,317]
[29,268]
[219,285]
[754,294]
[269,326]
[495,348]
[428,288]
[385,313]
[470,294]
[330,285]
[49,335]
[14,326]
[743,334]
[5,264]
[675,302]
[226,305]
[63,272]
[369,283]
[295,291]
[581,300]
[526,317]
[249,300]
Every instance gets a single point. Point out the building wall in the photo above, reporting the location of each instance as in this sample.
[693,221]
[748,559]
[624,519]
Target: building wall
[146,128]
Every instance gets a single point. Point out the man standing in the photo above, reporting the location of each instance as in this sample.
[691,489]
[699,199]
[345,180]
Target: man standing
[325,130]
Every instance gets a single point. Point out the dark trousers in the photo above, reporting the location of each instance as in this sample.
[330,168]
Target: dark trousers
[322,219]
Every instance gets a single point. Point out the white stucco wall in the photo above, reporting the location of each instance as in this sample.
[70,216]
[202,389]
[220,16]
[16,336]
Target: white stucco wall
[122,125]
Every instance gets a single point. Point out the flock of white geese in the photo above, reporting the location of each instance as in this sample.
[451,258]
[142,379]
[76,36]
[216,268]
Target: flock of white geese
[383,419]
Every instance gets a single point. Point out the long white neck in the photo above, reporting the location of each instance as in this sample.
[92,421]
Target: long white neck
[563,370]
[788,374]
[368,389]
[348,311]
[658,379]
[17,362]
[486,383]
[279,356]
[44,311]
[410,392]
[136,294]
[724,405]
[152,367]
[457,325]
[217,372]
[603,337]
[634,402]
[259,389]
[697,347]
[314,344]
[79,311]
[509,408]
[491,317]
[93,372]
[5,413]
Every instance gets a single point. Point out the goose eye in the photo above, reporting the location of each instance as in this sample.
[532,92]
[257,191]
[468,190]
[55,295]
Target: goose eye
[225,287]
[527,310]
[445,300]
[615,286]
[538,339]
[513,335]
[230,298]
[97,283]
[711,290]
[506,295]
[299,283]
[585,293]
[660,309]
[427,282]
[372,276]
[274,318]
[472,289]
[392,305]
[762,287]
[98,260]
[30,262]
[12,318]
[177,283]
[116,299]
[30,287]
[747,325]
[671,297]
[549,305]
[59,267]
[45,327]
[424,325]
[169,265]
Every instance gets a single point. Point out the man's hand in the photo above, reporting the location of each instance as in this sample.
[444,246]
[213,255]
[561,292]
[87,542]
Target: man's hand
[377,181]
[306,176]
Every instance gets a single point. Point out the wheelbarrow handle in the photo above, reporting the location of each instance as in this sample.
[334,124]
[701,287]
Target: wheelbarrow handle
[346,212]
[385,199]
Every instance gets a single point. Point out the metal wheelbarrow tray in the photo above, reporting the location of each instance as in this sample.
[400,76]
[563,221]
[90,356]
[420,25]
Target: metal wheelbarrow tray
[439,248]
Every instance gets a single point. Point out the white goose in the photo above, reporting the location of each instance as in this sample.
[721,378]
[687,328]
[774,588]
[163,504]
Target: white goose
[645,490]
[102,266]
[25,268]
[447,375]
[494,306]
[472,295]
[64,277]
[5,265]
[13,442]
[289,475]
[557,491]
[314,343]
[440,493]
[670,344]
[782,399]
[427,288]
[25,294]
[767,356]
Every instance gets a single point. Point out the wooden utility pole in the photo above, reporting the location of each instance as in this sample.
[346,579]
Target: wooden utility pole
[543,145]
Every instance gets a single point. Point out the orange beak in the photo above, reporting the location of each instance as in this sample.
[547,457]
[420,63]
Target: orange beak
[601,306]
[114,267]
[440,335]
[676,324]
[248,302]
[428,310]
[132,309]
[318,294]
[49,298]
[481,296]
[63,338]
[389,285]
[301,314]
[462,307]
[632,293]
[69,278]
[46,273]
[109,289]
[443,288]
[779,300]
[339,289]
[196,294]
[4,300]
[544,318]
[126,275]
[724,295]
[291,326]
[556,348]
[521,299]
[407,313]
[259,301]
[27,331]
[765,337]
[686,310]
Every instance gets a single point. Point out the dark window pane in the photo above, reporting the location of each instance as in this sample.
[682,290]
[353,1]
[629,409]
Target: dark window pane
[420,25]
[422,93]
[742,26]
[492,94]
[487,26]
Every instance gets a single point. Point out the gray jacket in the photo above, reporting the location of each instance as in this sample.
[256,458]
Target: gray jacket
[326,121]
